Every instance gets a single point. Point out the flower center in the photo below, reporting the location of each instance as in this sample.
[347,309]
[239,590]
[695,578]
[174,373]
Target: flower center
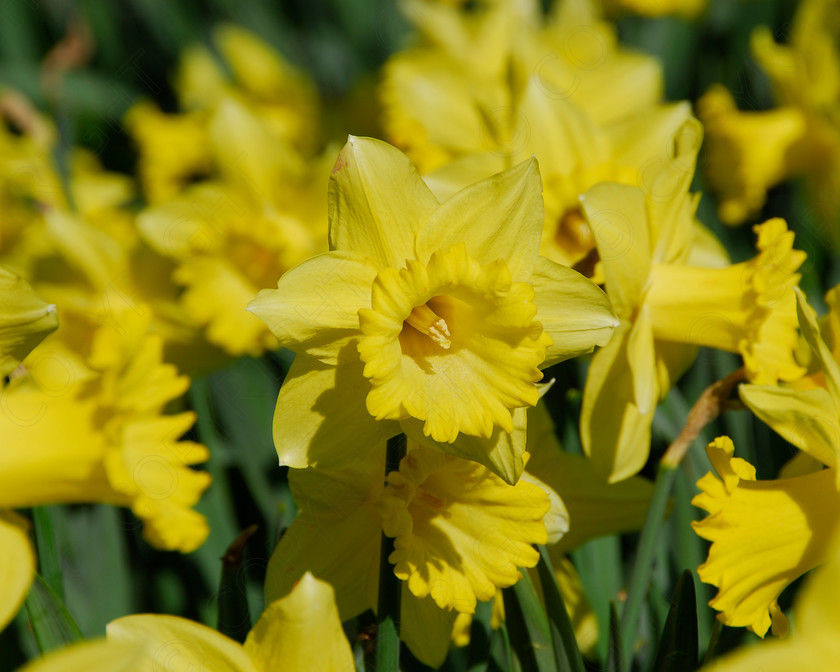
[426,321]
[452,343]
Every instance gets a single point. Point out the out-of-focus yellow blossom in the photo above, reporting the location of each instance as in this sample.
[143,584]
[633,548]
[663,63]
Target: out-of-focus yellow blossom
[77,431]
[751,152]
[814,645]
[747,152]
[429,318]
[80,249]
[485,89]
[24,321]
[459,533]
[767,533]
[233,236]
[644,244]
[174,147]
[298,633]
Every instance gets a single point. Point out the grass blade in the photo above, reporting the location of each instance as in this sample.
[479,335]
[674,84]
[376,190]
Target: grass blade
[678,646]
[51,623]
[566,653]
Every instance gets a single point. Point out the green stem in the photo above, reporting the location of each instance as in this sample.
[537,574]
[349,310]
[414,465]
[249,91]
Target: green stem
[390,587]
[643,566]
[711,650]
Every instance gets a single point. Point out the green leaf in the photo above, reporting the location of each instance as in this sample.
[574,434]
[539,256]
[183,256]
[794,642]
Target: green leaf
[528,625]
[481,636]
[615,654]
[390,587]
[51,623]
[643,565]
[678,647]
[47,544]
[566,653]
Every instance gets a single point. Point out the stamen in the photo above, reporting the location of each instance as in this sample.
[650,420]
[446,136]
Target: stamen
[427,322]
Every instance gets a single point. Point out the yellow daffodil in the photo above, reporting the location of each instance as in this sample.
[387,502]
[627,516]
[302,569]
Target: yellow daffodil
[233,236]
[767,533]
[747,152]
[298,633]
[813,646]
[764,535]
[509,89]
[78,431]
[459,533]
[644,243]
[174,147]
[24,320]
[750,152]
[428,318]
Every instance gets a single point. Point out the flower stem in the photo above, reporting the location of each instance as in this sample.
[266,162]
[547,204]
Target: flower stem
[390,587]
[712,402]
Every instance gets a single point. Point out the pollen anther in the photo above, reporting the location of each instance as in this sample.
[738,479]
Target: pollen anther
[426,321]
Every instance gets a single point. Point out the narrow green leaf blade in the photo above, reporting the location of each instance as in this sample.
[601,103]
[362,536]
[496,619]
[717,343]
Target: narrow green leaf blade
[48,557]
[528,626]
[615,654]
[566,653]
[678,646]
[51,623]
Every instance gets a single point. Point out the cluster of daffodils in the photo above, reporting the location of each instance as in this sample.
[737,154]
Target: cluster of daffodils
[530,202]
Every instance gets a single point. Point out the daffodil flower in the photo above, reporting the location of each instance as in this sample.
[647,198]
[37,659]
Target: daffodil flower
[765,534]
[815,644]
[298,633]
[429,318]
[459,533]
[236,234]
[486,90]
[77,431]
[668,307]
[24,321]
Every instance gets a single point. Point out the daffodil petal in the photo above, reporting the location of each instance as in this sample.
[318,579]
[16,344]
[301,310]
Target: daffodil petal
[315,306]
[619,223]
[811,332]
[335,536]
[377,202]
[805,418]
[644,139]
[301,631]
[321,410]
[248,154]
[764,535]
[498,218]
[17,565]
[24,320]
[558,131]
[501,453]
[595,507]
[615,434]
[574,311]
[426,628]
[95,656]
[174,644]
